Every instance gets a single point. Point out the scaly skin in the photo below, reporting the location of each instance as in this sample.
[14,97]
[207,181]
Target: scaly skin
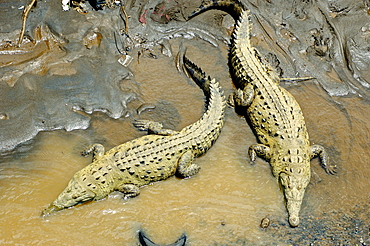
[272,112]
[150,158]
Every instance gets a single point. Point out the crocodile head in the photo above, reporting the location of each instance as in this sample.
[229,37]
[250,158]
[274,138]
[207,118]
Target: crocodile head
[72,195]
[294,181]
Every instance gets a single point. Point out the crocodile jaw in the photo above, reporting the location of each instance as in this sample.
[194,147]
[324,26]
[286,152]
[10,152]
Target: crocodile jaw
[72,195]
[293,207]
[294,188]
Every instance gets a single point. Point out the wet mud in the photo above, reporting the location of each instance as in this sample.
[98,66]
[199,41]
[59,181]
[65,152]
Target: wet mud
[79,79]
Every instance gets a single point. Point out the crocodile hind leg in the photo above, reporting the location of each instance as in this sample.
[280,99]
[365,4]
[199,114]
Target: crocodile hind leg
[153,127]
[260,150]
[129,190]
[318,150]
[186,167]
[96,149]
[242,98]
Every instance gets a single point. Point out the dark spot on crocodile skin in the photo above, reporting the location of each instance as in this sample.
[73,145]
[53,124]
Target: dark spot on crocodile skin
[142,162]
[262,126]
[84,178]
[282,137]
[97,178]
[276,134]
[256,119]
[162,174]
[263,120]
[100,168]
[160,159]
[122,169]
[137,164]
[288,151]
[93,172]
[148,171]
[159,168]
[269,131]
[152,177]
[277,124]
[259,93]
[146,176]
[131,172]
[103,182]
[259,112]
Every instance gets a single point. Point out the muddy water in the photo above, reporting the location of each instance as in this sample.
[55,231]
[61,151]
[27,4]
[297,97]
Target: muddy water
[224,203]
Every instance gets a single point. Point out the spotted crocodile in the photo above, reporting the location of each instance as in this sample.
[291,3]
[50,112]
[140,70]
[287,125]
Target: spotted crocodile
[273,113]
[157,156]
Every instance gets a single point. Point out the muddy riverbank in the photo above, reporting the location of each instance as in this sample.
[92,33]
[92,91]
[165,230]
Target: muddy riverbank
[83,78]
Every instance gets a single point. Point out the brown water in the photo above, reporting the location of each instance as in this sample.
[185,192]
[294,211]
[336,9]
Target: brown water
[224,203]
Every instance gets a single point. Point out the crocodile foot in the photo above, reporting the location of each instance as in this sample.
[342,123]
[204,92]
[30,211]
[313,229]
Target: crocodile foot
[153,127]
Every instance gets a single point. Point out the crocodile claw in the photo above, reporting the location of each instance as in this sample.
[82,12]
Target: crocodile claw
[142,125]
[331,169]
[147,125]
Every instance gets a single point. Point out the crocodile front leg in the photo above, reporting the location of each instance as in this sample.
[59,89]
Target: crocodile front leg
[96,149]
[261,150]
[129,190]
[153,127]
[242,98]
[186,167]
[318,150]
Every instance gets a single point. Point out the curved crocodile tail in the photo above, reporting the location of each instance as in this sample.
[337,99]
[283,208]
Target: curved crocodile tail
[232,7]
[199,77]
[208,85]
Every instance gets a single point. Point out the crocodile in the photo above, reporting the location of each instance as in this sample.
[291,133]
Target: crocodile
[145,241]
[153,157]
[272,112]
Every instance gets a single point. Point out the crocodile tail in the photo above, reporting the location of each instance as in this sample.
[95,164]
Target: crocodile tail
[232,7]
[198,76]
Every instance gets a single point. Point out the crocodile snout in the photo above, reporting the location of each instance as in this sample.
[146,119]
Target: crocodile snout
[51,209]
[293,221]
